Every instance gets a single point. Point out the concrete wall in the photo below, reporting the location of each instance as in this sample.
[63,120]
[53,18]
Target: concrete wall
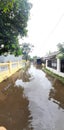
[8,69]
[58,68]
[8,58]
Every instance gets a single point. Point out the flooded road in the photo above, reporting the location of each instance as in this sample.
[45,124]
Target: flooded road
[31,100]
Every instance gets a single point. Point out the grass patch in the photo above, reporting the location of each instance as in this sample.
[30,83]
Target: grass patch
[53,75]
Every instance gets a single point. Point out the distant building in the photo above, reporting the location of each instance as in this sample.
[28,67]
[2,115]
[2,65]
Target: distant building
[39,61]
[55,64]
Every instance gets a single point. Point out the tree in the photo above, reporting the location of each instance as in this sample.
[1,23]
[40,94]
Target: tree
[61,47]
[26,49]
[6,5]
[12,24]
[61,50]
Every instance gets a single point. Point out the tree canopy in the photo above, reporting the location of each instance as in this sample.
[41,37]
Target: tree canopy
[14,16]
[6,5]
[61,50]
[61,47]
[26,49]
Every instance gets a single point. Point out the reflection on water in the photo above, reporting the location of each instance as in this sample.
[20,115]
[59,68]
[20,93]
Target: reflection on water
[14,112]
[38,66]
[26,76]
[29,100]
[57,93]
[2,128]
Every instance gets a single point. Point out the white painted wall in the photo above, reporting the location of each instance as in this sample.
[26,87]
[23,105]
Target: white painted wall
[58,65]
[46,63]
[56,71]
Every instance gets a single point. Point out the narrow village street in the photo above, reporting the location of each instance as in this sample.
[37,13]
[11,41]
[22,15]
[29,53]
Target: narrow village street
[31,100]
[31,65]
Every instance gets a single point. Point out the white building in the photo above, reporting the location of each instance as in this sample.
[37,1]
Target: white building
[55,64]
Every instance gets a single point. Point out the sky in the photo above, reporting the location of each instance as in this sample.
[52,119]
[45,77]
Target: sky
[45,26]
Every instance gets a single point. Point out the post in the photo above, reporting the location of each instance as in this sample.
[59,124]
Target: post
[18,64]
[58,65]
[46,63]
[10,67]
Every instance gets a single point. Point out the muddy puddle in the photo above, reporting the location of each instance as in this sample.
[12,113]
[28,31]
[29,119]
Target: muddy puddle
[32,100]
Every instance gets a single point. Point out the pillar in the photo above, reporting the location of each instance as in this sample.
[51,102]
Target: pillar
[10,67]
[18,64]
[46,63]
[58,65]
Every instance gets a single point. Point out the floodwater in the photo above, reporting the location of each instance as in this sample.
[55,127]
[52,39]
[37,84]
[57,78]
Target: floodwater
[31,100]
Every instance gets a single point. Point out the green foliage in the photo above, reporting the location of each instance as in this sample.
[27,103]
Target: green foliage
[61,50]
[50,73]
[26,49]
[61,47]
[60,56]
[14,15]
[6,5]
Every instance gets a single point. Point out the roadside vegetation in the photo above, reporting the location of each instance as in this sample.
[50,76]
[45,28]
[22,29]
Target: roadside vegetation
[53,75]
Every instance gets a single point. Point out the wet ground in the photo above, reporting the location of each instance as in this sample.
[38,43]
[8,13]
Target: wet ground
[31,100]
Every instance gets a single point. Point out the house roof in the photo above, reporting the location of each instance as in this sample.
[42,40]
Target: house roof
[51,55]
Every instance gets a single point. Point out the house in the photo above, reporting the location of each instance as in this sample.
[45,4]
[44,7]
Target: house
[55,63]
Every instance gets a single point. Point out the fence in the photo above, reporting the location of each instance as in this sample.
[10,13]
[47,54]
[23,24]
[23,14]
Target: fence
[7,69]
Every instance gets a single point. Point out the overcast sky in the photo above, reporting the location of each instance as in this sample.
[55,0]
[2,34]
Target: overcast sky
[46,26]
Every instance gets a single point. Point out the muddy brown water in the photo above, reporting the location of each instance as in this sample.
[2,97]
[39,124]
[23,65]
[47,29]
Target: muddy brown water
[32,100]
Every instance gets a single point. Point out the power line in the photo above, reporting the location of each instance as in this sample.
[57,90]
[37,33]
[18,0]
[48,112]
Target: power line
[57,23]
